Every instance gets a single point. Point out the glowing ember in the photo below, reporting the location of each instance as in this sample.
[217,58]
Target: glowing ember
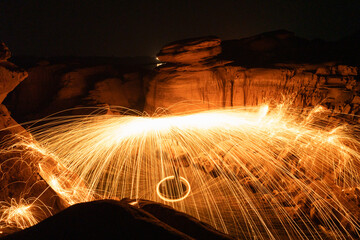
[254,173]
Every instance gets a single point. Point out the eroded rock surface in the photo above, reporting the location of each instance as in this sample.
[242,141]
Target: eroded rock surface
[223,82]
[20,183]
[53,87]
[126,91]
[191,50]
[10,74]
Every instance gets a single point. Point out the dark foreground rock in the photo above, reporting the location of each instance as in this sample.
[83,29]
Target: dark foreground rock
[109,219]
[180,221]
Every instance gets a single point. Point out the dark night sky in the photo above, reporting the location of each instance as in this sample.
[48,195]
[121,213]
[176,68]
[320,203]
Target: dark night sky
[141,27]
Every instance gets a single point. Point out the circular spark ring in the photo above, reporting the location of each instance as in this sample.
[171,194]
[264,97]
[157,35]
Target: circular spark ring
[183,180]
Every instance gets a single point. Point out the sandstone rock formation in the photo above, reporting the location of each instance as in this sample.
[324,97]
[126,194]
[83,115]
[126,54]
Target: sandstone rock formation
[10,74]
[191,50]
[53,87]
[19,179]
[126,91]
[50,88]
[218,82]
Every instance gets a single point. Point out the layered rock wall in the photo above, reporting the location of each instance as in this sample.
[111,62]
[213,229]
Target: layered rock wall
[213,83]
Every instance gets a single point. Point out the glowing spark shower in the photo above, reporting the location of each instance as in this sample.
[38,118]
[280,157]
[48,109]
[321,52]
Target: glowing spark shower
[267,173]
[20,214]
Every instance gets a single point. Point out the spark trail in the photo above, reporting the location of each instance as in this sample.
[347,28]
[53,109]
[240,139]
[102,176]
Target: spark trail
[252,173]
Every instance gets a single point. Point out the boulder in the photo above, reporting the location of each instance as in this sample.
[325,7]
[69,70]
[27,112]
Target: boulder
[36,92]
[180,221]
[190,50]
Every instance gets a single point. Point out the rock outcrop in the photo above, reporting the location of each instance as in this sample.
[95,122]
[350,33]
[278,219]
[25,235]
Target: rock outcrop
[126,91]
[10,74]
[53,87]
[218,82]
[20,183]
[191,50]
[5,53]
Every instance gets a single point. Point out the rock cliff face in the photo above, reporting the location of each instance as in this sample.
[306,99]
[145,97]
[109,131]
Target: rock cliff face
[218,82]
[205,72]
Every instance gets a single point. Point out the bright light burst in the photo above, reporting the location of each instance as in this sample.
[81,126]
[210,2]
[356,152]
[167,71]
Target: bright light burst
[20,214]
[252,173]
